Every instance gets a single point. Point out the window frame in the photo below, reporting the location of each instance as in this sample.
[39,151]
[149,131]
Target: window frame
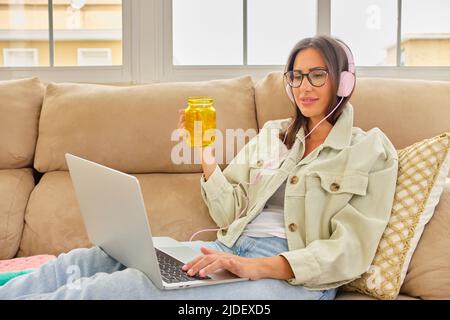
[96,74]
[147,54]
[171,72]
[190,73]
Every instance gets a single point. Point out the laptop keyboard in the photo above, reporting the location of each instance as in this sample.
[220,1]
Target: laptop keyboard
[171,269]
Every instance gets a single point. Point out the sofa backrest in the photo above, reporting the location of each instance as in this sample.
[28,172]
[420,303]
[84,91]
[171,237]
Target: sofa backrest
[400,109]
[129,128]
[396,106]
[20,105]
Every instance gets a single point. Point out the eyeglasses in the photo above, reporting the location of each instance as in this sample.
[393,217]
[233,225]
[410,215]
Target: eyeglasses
[317,77]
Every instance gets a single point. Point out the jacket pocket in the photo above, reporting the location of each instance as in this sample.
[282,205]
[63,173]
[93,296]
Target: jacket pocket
[336,183]
[263,165]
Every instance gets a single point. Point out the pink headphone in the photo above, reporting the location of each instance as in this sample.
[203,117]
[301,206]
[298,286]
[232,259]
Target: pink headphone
[346,80]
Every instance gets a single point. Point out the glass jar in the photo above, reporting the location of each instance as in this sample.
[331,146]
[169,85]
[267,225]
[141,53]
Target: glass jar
[200,121]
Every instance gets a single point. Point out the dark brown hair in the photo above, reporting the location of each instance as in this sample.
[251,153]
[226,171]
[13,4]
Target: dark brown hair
[336,61]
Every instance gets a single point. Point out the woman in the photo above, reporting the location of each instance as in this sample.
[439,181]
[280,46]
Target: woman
[301,229]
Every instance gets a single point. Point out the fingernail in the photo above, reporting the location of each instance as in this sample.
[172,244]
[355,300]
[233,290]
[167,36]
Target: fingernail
[191,271]
[184,267]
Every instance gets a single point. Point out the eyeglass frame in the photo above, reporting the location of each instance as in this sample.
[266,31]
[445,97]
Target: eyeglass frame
[307,76]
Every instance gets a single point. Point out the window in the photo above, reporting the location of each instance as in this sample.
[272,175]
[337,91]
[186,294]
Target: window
[369,27]
[146,41]
[271,28]
[94,56]
[87,24]
[238,32]
[207,32]
[20,57]
[275,26]
[58,31]
[373,28]
[24,30]
[426,32]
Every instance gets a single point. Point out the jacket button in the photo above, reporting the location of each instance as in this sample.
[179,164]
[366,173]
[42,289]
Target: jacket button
[293,227]
[259,163]
[294,180]
[334,186]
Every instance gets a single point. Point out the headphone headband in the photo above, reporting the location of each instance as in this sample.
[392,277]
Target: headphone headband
[351,62]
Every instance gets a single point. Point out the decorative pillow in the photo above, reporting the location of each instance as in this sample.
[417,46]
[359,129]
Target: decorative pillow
[423,168]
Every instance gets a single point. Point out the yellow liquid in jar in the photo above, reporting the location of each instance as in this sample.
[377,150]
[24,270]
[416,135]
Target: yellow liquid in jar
[200,121]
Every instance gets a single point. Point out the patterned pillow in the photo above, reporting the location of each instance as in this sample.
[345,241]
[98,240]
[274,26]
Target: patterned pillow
[422,171]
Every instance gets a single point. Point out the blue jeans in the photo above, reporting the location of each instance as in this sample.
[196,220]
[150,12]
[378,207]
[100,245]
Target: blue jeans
[92,274]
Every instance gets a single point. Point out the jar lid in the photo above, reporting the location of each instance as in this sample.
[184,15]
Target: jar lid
[200,100]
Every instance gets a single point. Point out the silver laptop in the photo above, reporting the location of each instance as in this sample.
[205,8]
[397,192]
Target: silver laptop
[115,218]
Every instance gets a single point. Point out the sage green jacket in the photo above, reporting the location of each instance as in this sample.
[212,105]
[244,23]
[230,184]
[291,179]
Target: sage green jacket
[337,202]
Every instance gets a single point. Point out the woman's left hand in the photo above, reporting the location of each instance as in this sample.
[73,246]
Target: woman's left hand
[212,261]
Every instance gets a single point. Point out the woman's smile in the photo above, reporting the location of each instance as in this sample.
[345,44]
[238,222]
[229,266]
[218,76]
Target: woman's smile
[307,101]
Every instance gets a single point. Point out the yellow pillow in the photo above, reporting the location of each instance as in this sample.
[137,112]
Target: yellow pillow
[422,171]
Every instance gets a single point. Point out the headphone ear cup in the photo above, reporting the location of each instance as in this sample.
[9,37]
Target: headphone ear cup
[346,84]
[289,92]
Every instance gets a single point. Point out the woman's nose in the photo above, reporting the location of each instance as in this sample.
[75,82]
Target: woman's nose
[305,85]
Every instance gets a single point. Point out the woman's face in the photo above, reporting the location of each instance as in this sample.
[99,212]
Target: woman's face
[312,101]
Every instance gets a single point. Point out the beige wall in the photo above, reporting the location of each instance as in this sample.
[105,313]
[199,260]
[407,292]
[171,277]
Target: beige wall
[424,52]
[65,52]
[35,17]
[433,52]
[42,46]
[15,17]
[90,17]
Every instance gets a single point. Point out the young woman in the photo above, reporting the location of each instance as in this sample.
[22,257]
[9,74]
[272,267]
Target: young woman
[303,227]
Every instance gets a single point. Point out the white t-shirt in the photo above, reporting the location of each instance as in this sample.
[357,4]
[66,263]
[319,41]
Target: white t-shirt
[270,222]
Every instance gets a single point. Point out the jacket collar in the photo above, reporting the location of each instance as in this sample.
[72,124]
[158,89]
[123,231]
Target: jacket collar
[341,133]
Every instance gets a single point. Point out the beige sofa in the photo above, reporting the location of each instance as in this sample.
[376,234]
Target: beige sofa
[129,129]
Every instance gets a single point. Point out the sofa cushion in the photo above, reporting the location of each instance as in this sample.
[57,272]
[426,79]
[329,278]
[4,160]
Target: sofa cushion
[129,128]
[428,275]
[20,105]
[53,223]
[396,106]
[15,188]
